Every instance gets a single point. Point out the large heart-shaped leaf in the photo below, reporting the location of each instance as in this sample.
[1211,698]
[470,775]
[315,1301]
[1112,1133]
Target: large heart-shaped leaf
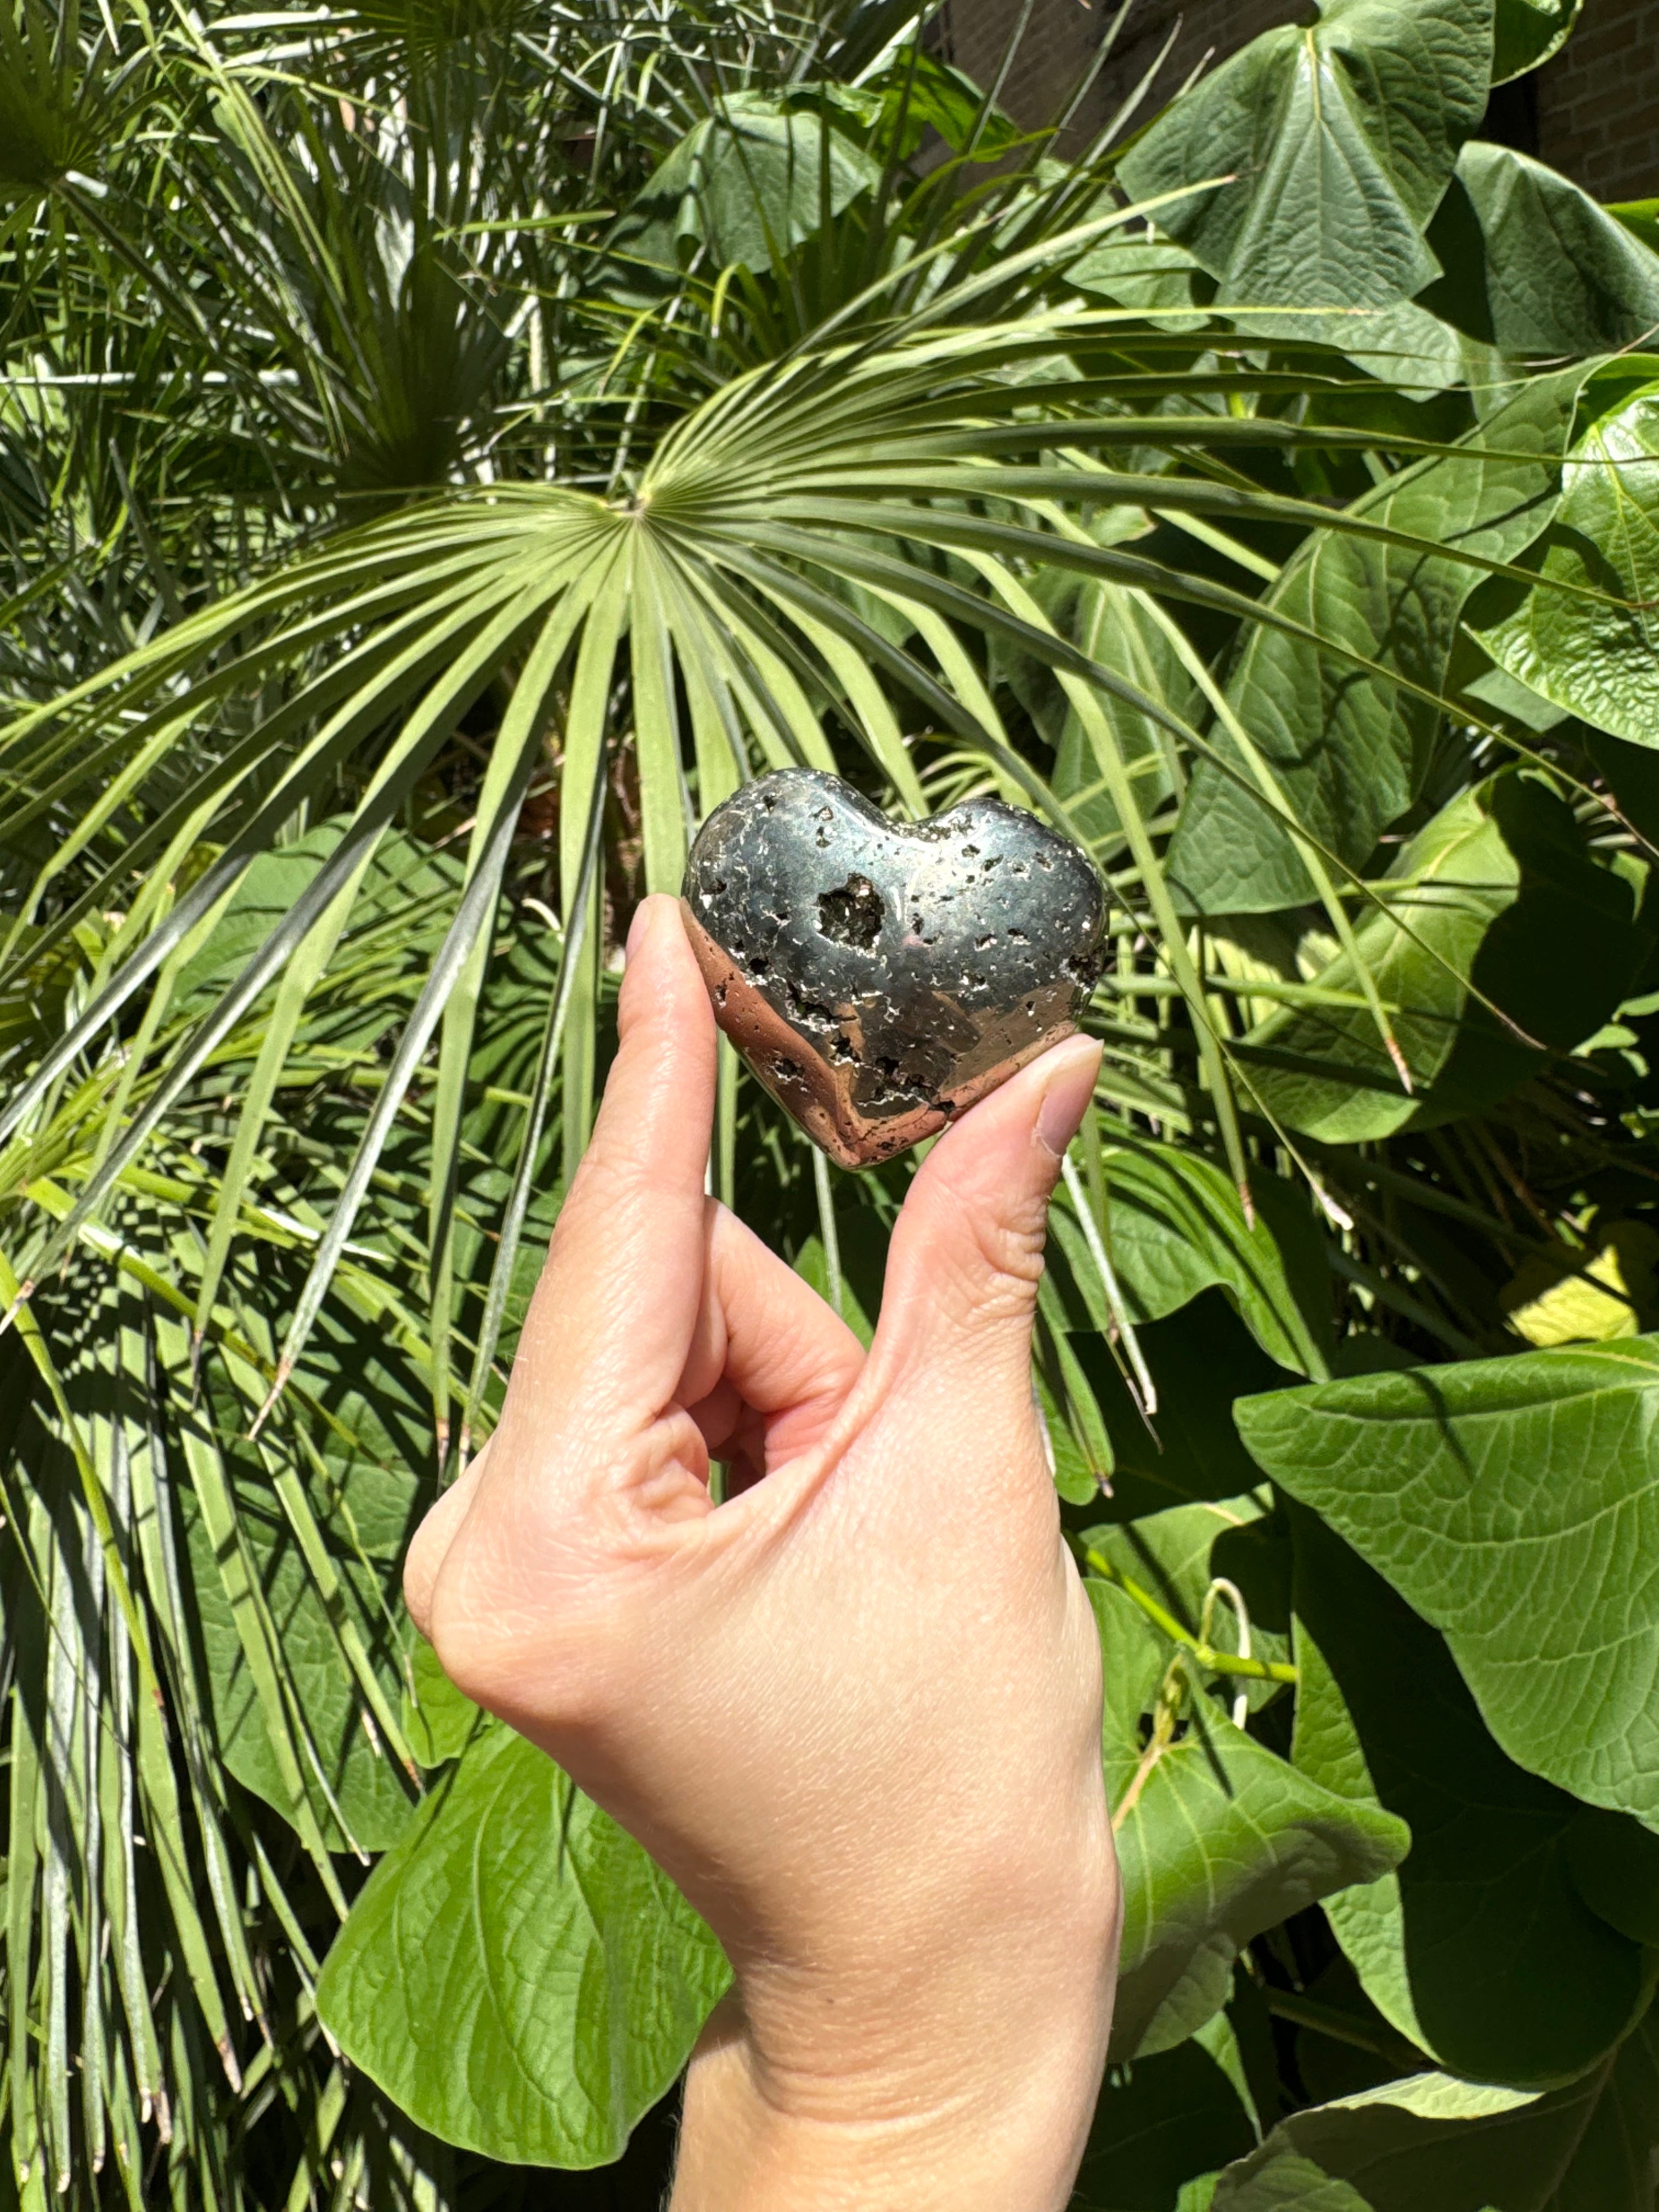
[404,880]
[1433,2144]
[1591,644]
[1322,1068]
[1113,627]
[748,183]
[1514,1504]
[1218,1838]
[1348,750]
[1478,1948]
[1146,272]
[439,1721]
[364,1499]
[357,1774]
[1533,265]
[516,1973]
[1340,137]
[1640,218]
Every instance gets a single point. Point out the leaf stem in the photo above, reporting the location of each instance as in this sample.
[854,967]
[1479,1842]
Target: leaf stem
[1217,1662]
[827,1227]
[1342,2027]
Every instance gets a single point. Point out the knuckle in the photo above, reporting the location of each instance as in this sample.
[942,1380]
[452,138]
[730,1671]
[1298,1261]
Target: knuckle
[524,1632]
[546,1682]
[1004,1232]
[420,1573]
[1009,1256]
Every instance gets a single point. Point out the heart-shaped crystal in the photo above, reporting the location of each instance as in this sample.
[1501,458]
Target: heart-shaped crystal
[880,977]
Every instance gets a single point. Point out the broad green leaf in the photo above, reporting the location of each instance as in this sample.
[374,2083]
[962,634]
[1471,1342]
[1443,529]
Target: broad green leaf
[1596,657]
[1110,624]
[1146,272]
[1514,1504]
[1342,136]
[1433,2141]
[1533,265]
[1499,896]
[1198,2194]
[747,183]
[1322,1068]
[1563,958]
[1526,32]
[811,1264]
[373,1800]
[929,92]
[1174,1226]
[1402,346]
[1478,1947]
[1159,2123]
[1347,749]
[404,879]
[1217,1838]
[516,1973]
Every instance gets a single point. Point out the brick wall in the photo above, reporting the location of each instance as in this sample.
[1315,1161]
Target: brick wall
[1063,36]
[1598,101]
[1593,113]
[1050,58]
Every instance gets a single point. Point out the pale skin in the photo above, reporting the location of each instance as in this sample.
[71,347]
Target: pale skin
[854,1710]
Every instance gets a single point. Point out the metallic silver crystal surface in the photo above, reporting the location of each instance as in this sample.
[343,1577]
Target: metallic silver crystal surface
[880,977]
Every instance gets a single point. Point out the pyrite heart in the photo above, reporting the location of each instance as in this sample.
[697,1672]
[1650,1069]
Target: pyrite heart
[881,976]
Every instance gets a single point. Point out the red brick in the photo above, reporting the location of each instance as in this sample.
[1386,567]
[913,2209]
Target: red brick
[1592,42]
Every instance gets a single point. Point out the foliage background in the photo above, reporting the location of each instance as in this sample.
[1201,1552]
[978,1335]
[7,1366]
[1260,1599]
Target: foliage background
[444,446]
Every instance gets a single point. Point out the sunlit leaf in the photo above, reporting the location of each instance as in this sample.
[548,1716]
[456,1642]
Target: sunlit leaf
[1350,754]
[1595,655]
[1342,135]
[516,1973]
[1540,1468]
[1533,264]
[1512,1979]
[1433,2139]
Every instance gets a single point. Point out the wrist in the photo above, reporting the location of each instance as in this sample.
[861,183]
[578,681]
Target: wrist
[939,2052]
[985,2109]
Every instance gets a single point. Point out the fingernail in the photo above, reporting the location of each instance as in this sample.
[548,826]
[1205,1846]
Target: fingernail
[1066,1093]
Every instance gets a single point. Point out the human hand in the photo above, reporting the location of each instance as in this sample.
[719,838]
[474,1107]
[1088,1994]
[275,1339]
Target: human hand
[855,1710]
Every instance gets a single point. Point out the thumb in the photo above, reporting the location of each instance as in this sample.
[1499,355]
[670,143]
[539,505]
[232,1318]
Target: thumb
[966,1256]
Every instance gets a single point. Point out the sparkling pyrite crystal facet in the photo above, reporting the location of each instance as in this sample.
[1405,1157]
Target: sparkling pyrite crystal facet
[880,977]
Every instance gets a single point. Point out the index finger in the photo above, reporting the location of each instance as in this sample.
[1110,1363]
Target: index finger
[613,1315]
